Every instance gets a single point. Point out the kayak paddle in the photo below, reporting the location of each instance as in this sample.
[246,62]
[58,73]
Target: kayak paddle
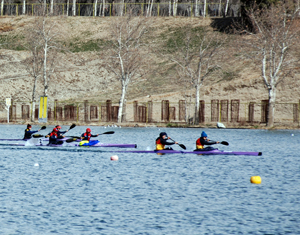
[74,138]
[72,126]
[181,145]
[224,143]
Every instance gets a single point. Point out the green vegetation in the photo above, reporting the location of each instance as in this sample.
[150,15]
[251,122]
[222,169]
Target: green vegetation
[12,42]
[76,45]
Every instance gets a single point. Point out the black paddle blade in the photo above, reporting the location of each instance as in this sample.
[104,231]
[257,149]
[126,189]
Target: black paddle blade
[43,127]
[224,143]
[71,140]
[72,126]
[37,136]
[182,146]
[107,133]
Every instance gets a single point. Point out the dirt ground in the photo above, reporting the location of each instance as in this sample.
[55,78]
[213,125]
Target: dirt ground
[79,77]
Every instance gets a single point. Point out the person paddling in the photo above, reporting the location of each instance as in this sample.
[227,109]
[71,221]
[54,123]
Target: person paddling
[53,137]
[202,141]
[60,133]
[87,135]
[29,132]
[161,141]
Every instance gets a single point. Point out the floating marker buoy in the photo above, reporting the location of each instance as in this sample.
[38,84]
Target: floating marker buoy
[114,158]
[292,134]
[36,164]
[255,179]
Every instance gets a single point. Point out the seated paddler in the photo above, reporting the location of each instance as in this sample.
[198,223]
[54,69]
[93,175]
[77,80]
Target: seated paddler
[86,138]
[161,141]
[203,140]
[53,137]
[29,132]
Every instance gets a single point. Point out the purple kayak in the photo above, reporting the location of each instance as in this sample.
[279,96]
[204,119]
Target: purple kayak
[76,145]
[211,152]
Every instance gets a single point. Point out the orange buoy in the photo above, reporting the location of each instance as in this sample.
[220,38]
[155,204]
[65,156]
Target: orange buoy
[255,179]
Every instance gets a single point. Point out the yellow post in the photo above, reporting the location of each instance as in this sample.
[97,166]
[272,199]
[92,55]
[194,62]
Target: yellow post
[17,6]
[43,109]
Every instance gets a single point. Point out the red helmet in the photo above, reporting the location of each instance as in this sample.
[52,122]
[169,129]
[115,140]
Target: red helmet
[58,127]
[55,129]
[88,130]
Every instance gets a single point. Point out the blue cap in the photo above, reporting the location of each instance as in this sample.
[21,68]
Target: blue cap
[203,134]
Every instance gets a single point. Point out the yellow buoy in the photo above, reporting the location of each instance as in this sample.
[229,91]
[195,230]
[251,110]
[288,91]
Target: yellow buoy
[255,179]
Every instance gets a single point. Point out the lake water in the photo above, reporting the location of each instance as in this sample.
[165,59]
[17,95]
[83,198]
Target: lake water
[81,191]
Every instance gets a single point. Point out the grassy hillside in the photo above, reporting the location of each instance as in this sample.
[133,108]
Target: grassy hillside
[80,77]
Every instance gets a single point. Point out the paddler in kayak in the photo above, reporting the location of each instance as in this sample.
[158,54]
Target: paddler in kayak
[60,133]
[53,137]
[29,132]
[202,141]
[86,138]
[161,141]
[87,135]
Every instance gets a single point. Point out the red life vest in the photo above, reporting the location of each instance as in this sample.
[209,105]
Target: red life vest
[53,133]
[198,144]
[87,136]
[159,145]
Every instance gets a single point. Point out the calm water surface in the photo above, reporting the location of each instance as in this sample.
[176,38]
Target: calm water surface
[81,191]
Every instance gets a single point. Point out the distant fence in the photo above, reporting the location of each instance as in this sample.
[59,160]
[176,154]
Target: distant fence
[188,9]
[232,112]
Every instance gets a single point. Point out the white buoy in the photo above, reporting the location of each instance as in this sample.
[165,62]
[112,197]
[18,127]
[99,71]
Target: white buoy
[292,134]
[114,158]
[36,164]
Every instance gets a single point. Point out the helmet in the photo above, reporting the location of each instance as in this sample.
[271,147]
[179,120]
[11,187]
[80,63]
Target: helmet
[203,134]
[55,129]
[58,127]
[28,126]
[162,134]
[88,130]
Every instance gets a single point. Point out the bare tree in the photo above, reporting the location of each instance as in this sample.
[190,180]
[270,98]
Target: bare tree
[271,47]
[127,58]
[41,41]
[196,56]
[33,65]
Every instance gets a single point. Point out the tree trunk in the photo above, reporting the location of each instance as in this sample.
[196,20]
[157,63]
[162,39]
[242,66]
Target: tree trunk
[45,69]
[74,8]
[51,7]
[226,8]
[2,4]
[148,9]
[220,7]
[68,5]
[204,9]
[103,9]
[95,10]
[170,8]
[24,7]
[271,107]
[150,13]
[175,7]
[196,8]
[121,103]
[32,111]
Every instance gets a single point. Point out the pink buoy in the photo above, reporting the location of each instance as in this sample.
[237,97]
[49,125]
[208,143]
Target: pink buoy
[114,158]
